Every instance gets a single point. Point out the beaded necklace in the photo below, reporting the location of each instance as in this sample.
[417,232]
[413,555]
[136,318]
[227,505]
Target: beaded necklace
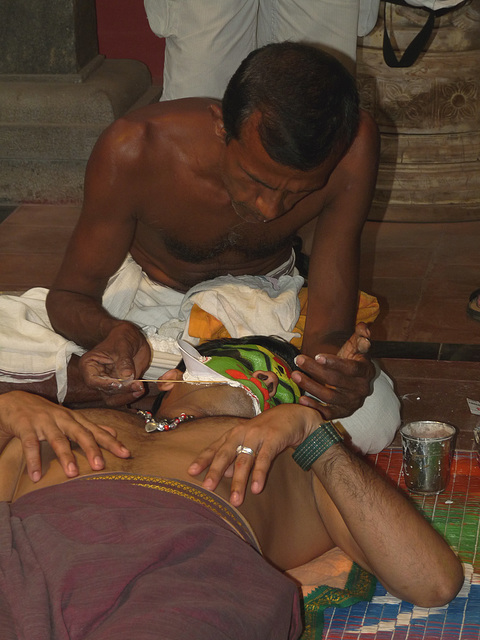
[165,424]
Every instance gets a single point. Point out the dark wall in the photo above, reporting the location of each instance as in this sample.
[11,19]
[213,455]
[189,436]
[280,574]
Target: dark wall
[123,32]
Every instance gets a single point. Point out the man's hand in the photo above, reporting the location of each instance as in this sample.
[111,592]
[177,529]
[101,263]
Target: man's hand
[268,434]
[339,383]
[33,419]
[113,366]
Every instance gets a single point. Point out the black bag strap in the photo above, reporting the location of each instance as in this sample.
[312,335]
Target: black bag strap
[419,42]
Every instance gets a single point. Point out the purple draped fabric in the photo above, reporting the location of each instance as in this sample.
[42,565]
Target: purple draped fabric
[100,559]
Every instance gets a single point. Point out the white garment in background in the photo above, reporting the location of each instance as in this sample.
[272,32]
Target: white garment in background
[206,40]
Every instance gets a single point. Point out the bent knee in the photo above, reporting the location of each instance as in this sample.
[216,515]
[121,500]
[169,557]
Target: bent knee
[443,590]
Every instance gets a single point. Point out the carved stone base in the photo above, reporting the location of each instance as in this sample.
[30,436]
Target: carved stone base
[49,124]
[428,115]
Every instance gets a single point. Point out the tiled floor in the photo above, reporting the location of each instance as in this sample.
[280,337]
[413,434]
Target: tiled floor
[422,274]
[32,243]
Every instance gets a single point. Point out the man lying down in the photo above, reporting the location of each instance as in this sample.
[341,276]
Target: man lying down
[159,534]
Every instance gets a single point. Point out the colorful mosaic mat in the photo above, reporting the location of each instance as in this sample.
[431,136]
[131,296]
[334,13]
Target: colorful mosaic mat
[456,515]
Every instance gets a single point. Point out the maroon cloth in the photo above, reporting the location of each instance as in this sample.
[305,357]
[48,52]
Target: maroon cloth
[102,560]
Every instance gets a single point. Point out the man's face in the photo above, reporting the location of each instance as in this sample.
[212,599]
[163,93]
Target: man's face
[261,189]
[264,375]
[249,379]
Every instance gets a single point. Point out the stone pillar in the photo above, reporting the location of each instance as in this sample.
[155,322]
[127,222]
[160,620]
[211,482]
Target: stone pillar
[57,94]
[47,37]
[428,115]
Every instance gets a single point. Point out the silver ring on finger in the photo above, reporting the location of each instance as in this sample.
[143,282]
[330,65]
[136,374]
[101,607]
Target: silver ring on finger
[241,449]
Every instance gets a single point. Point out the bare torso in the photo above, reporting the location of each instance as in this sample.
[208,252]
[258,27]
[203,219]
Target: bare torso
[155,184]
[274,515]
[187,230]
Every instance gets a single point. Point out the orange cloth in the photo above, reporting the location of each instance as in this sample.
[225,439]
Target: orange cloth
[206,327]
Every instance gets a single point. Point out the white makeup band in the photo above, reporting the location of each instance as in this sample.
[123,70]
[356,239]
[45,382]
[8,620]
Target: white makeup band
[197,370]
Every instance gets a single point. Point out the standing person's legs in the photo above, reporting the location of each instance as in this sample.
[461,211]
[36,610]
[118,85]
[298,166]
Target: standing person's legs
[204,42]
[332,24]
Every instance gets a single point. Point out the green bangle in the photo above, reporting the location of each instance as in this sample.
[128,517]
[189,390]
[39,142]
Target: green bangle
[316,444]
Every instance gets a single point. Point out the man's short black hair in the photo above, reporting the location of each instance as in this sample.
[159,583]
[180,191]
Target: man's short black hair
[308,103]
[278,346]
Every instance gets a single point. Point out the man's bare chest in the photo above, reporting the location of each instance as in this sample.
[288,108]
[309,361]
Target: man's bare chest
[213,235]
[181,241]
[245,242]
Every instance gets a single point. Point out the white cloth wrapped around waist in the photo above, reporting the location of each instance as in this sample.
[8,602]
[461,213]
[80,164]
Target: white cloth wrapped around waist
[31,351]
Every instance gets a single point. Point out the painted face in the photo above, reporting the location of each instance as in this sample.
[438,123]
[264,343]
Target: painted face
[236,364]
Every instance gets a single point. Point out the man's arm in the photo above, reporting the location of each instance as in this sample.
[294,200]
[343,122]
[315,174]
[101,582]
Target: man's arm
[33,419]
[333,283]
[99,244]
[366,516]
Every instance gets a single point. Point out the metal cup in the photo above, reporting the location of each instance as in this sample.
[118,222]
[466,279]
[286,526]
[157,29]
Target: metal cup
[428,448]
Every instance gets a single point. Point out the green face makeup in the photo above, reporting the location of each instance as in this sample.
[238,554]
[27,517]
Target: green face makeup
[238,363]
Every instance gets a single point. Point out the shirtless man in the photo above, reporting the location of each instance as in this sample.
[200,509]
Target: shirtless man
[296,514]
[191,191]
